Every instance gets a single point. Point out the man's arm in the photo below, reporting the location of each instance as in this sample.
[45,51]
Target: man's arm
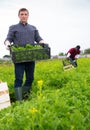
[9,38]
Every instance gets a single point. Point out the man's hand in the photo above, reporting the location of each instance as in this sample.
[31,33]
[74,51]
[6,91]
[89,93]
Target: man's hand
[7,44]
[68,55]
[43,44]
[77,56]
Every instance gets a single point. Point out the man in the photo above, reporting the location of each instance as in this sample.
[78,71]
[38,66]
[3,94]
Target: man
[73,54]
[21,34]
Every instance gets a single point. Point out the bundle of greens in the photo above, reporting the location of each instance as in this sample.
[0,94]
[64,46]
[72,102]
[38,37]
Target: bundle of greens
[28,53]
[26,47]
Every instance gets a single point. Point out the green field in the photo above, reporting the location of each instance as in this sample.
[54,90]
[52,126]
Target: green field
[60,100]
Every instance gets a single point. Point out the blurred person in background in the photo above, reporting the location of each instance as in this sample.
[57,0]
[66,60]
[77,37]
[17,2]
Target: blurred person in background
[73,54]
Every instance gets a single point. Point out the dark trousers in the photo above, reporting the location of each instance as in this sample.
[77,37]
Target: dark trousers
[20,68]
[73,62]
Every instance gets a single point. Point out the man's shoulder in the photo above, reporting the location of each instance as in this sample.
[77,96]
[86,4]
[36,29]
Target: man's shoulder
[14,25]
[71,49]
[30,25]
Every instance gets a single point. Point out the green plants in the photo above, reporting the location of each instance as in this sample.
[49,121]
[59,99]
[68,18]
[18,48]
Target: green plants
[29,53]
[59,101]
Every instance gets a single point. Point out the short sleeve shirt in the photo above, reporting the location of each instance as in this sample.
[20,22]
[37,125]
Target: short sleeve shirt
[73,52]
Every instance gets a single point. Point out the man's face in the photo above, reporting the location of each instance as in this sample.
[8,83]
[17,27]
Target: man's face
[23,15]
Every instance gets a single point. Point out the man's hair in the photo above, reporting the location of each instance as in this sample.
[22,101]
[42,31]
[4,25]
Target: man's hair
[78,47]
[23,9]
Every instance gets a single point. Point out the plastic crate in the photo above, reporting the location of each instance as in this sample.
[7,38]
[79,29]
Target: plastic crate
[30,55]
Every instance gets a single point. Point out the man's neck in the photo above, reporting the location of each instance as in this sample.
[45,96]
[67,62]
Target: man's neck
[24,23]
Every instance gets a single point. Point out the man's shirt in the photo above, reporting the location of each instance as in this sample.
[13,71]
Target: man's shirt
[73,52]
[22,34]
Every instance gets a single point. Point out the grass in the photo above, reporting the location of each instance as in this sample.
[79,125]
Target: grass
[60,100]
